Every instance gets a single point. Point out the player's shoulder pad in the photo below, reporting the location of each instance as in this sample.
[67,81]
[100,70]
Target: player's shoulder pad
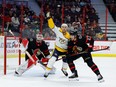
[67,35]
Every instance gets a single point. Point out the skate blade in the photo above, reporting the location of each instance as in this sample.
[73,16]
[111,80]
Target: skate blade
[45,78]
[73,79]
[17,75]
[102,80]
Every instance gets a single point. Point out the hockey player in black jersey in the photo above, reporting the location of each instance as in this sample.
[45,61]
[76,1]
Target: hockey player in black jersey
[81,46]
[39,52]
[37,43]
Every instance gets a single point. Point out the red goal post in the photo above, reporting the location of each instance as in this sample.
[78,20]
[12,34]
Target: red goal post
[9,48]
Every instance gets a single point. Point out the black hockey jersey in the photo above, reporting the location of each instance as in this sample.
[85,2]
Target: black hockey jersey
[33,44]
[81,42]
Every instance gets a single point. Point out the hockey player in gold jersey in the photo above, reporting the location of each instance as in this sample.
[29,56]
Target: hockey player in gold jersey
[61,42]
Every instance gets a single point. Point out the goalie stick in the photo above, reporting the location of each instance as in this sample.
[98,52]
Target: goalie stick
[11,33]
[28,64]
[33,60]
[30,57]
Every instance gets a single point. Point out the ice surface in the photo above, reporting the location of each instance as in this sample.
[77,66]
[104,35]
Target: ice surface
[34,76]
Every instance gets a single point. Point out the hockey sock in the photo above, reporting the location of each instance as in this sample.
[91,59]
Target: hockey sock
[95,69]
[50,64]
[72,67]
[64,66]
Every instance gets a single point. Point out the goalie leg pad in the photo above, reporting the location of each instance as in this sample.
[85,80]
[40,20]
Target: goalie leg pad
[30,62]
[25,66]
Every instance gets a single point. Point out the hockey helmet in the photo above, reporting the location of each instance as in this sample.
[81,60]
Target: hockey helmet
[39,36]
[64,24]
[73,33]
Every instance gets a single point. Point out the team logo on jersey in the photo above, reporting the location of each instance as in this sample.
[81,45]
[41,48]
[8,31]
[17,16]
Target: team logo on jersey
[62,41]
[79,49]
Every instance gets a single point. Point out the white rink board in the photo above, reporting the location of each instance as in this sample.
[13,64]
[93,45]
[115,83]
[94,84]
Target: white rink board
[12,46]
[1,46]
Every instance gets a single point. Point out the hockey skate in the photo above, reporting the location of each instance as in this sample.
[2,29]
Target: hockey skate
[64,72]
[74,76]
[100,78]
[17,74]
[46,74]
[52,71]
[43,65]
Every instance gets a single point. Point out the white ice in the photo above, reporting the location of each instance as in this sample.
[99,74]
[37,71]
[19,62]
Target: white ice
[34,76]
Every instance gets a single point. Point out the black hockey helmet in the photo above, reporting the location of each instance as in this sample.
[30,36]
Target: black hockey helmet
[73,33]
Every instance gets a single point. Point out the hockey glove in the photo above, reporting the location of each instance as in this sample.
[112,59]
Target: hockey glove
[48,15]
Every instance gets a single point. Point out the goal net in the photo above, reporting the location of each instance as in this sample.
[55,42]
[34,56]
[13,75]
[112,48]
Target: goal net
[10,55]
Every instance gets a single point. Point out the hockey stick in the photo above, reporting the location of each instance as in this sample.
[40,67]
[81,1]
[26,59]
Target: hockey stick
[30,57]
[28,54]
[101,49]
[11,33]
[64,56]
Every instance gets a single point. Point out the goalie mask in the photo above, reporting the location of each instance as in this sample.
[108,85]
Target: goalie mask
[39,37]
